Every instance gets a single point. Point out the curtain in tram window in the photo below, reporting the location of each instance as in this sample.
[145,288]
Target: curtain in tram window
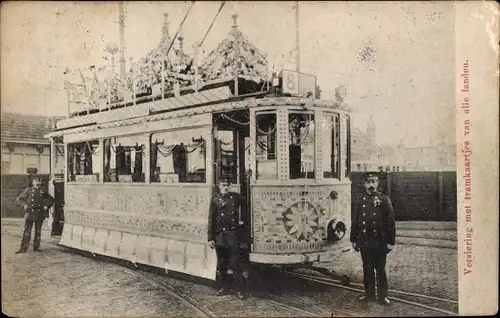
[88,160]
[138,164]
[120,160]
[107,160]
[154,160]
[179,154]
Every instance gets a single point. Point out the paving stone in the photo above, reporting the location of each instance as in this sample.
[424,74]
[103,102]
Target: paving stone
[55,283]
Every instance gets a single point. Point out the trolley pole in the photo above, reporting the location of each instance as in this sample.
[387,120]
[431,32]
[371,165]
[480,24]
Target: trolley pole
[297,37]
[237,55]
[121,22]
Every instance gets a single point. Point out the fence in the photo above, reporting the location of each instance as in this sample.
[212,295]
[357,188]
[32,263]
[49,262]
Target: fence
[12,186]
[416,196]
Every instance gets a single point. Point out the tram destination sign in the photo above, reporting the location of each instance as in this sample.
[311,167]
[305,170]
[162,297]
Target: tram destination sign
[297,83]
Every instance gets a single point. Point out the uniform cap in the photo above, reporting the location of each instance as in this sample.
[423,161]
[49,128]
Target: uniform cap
[370,176]
[226,179]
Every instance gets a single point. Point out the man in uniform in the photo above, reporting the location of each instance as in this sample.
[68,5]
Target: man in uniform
[224,236]
[373,233]
[36,205]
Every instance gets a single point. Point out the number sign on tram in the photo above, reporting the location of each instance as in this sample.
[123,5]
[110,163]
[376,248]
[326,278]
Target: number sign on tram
[297,83]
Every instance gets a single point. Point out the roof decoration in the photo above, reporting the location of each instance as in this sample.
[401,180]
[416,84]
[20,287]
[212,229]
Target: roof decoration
[220,63]
[148,69]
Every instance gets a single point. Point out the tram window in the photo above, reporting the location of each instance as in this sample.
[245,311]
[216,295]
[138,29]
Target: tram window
[124,159]
[301,145]
[228,158]
[84,160]
[265,146]
[178,157]
[331,146]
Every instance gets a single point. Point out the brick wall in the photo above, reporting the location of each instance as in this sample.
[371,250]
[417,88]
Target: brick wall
[417,196]
[12,186]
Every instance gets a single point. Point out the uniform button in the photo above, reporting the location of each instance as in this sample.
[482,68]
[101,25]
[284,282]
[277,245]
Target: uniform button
[364,222]
[364,214]
[374,231]
[222,214]
[364,206]
[374,222]
[223,228]
[364,198]
[364,230]
[374,213]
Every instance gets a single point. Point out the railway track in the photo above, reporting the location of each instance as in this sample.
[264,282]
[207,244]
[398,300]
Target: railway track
[299,306]
[441,305]
[156,281]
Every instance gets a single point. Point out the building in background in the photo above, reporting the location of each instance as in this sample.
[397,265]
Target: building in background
[436,155]
[24,149]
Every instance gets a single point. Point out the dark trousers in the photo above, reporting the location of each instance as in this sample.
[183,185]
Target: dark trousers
[229,257]
[28,226]
[374,261]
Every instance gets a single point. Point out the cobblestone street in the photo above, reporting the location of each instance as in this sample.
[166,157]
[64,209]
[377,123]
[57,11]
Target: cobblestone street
[58,283]
[426,270]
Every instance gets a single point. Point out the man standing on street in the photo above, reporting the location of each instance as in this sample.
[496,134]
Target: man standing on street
[373,232]
[36,205]
[224,236]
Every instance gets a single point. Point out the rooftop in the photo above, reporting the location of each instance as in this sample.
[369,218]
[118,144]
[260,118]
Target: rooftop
[26,128]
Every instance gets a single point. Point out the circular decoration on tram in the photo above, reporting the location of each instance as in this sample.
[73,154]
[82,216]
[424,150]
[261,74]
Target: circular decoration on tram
[301,220]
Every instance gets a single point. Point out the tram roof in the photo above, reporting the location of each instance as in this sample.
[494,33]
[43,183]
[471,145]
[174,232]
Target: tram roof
[210,101]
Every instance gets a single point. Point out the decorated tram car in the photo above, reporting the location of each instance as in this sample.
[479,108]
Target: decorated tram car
[140,171]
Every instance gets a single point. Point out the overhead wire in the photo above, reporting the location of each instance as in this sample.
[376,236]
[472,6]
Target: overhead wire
[208,30]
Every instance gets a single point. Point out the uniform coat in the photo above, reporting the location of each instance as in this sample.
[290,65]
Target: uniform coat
[373,223]
[224,230]
[37,204]
[223,218]
[36,200]
[373,228]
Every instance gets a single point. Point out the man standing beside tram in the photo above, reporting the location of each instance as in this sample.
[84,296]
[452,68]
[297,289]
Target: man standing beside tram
[373,233]
[36,205]
[224,235]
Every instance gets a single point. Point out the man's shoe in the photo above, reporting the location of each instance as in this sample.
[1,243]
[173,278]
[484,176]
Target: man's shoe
[20,252]
[37,250]
[221,292]
[367,298]
[384,301]
[241,295]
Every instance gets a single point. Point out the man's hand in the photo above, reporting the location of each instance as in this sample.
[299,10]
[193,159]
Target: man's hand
[355,246]
[45,207]
[389,247]
[211,244]
[25,207]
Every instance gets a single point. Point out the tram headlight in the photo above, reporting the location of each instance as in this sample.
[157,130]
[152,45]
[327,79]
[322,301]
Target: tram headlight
[335,230]
[334,195]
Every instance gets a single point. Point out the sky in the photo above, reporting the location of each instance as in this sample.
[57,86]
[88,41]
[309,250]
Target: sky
[396,58]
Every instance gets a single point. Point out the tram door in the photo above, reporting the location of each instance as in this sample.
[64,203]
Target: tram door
[230,140]
[58,221]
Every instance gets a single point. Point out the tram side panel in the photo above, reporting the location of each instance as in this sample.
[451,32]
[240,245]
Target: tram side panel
[161,226]
[291,223]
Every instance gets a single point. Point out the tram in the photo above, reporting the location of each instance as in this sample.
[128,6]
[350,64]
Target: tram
[140,172]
